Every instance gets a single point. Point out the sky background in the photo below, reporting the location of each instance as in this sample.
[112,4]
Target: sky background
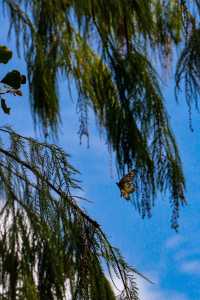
[171,260]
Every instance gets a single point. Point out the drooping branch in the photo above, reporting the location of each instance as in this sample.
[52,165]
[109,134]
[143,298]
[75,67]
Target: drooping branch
[114,75]
[36,186]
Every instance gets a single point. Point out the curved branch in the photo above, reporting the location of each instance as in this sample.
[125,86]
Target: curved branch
[57,191]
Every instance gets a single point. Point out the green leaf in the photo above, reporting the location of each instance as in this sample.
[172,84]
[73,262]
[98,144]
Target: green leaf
[5,54]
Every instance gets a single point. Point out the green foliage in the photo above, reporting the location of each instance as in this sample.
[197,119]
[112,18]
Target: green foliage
[106,48]
[109,49]
[49,247]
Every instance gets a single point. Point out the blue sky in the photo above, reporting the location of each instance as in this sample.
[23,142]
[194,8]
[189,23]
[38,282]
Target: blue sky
[171,260]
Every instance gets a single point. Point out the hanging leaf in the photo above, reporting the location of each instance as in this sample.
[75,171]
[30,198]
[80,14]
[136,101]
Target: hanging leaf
[4,106]
[17,92]
[5,54]
[14,79]
[5,88]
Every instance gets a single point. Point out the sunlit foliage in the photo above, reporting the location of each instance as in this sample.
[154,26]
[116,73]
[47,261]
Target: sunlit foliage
[49,247]
[109,49]
[114,52]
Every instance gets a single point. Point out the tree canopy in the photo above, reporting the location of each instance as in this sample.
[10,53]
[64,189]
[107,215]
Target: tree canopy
[114,53]
[110,51]
[49,247]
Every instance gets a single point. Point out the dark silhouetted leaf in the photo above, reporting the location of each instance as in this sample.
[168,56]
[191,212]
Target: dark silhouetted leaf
[5,54]
[14,79]
[4,106]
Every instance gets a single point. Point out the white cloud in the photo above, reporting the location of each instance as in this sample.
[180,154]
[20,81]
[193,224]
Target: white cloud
[155,292]
[174,241]
[182,254]
[187,253]
[191,267]
[148,291]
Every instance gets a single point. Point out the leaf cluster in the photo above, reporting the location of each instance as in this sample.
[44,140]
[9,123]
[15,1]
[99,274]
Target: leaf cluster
[109,49]
[12,81]
[49,247]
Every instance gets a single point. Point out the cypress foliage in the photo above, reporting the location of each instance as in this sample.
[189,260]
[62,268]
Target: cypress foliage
[49,247]
[109,49]
[106,48]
